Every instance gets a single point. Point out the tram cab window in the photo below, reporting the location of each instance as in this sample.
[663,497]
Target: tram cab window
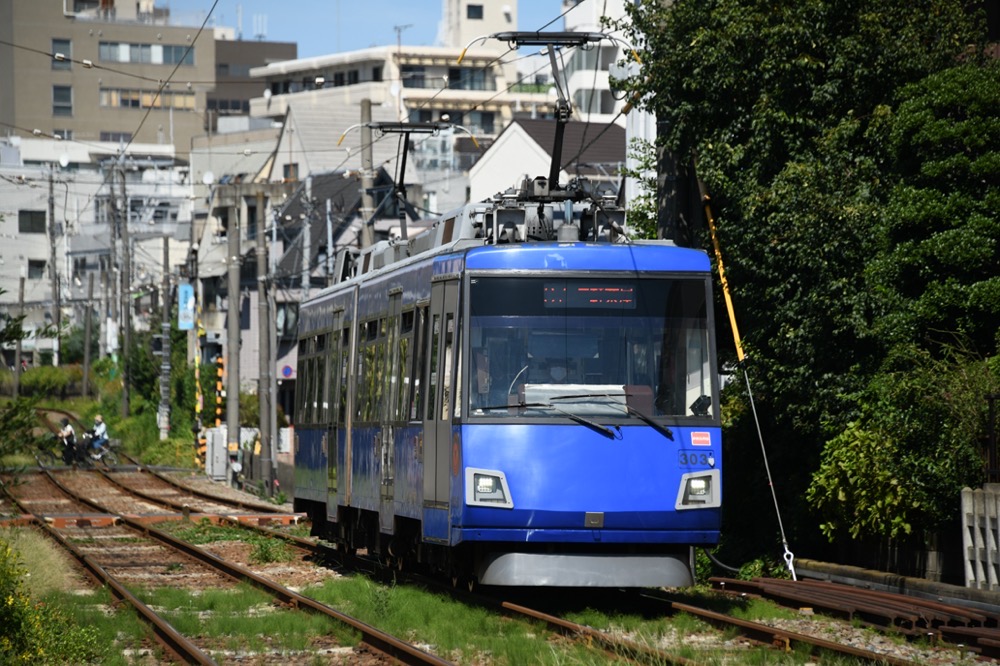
[645,340]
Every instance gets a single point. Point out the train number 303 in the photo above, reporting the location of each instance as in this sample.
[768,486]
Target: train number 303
[694,457]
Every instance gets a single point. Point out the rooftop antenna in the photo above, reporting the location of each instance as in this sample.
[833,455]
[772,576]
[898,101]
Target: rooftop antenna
[552,40]
[406,129]
[260,26]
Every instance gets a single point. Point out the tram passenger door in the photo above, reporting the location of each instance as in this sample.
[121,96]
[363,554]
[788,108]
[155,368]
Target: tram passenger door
[437,446]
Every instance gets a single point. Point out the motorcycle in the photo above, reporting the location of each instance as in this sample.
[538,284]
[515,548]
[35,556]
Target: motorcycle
[81,452]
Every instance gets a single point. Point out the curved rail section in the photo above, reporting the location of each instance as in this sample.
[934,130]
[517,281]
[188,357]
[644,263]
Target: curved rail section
[258,507]
[374,638]
[173,641]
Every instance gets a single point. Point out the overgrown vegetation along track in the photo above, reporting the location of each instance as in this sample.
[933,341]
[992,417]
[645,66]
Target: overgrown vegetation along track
[149,553]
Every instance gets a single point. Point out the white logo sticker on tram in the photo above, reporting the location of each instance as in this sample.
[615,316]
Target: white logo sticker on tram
[701,439]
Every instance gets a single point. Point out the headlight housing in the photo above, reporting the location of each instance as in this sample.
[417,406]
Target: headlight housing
[487,487]
[699,490]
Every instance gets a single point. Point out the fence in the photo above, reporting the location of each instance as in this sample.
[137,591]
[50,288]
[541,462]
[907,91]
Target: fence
[980,526]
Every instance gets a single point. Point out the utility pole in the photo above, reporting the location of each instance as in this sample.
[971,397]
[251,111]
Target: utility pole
[265,362]
[126,294]
[17,343]
[233,332]
[329,243]
[88,326]
[307,238]
[367,176]
[56,309]
[164,411]
[399,67]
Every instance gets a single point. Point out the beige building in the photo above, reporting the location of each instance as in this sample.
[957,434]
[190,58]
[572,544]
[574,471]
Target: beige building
[91,70]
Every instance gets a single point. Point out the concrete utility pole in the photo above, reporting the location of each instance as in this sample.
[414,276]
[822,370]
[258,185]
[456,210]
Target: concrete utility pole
[56,307]
[17,343]
[233,332]
[126,295]
[307,238]
[367,176]
[88,327]
[266,363]
[329,243]
[164,411]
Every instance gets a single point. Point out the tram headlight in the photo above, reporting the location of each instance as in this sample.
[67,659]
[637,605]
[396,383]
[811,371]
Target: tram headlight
[486,487]
[699,490]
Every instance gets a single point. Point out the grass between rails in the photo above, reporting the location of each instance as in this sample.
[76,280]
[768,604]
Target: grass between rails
[244,621]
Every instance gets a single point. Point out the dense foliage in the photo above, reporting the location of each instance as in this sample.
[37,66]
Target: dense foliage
[829,147]
[34,632]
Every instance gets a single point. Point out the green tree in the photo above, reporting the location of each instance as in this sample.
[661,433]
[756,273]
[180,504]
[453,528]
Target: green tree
[787,109]
[939,248]
[899,468]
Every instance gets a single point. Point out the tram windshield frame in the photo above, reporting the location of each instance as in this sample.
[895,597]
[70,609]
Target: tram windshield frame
[609,347]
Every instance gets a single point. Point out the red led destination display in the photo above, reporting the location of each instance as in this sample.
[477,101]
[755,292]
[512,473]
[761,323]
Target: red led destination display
[589,295]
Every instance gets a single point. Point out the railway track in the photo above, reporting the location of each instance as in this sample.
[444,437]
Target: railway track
[123,551]
[135,494]
[937,621]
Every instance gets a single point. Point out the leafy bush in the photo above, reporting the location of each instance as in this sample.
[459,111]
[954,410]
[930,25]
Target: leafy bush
[45,381]
[37,633]
[899,468]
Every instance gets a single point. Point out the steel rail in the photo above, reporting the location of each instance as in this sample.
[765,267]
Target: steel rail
[375,638]
[173,641]
[620,647]
[783,639]
[261,508]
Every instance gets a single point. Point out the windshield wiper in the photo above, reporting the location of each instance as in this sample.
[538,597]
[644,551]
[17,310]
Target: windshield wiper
[604,430]
[642,416]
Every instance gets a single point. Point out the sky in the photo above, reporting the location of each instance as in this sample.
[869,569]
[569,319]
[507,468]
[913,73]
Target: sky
[321,27]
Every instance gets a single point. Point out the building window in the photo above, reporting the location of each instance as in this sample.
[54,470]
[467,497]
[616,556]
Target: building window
[62,101]
[290,172]
[116,137]
[352,77]
[154,54]
[36,269]
[474,12]
[31,221]
[377,73]
[126,98]
[63,134]
[64,47]
[414,76]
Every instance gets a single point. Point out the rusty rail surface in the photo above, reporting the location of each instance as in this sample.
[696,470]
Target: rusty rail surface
[173,641]
[376,639]
[977,630]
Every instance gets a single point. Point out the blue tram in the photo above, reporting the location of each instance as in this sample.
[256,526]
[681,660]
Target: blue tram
[514,399]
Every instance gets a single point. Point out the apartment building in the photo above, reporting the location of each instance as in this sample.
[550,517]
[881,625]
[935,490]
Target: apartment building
[91,70]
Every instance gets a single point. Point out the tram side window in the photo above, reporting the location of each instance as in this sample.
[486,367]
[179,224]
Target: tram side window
[381,372]
[333,375]
[300,392]
[324,377]
[392,370]
[432,367]
[345,368]
[366,353]
[402,374]
[415,395]
[450,341]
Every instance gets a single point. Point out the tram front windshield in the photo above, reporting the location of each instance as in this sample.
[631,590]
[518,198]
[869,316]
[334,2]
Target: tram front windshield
[572,342]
